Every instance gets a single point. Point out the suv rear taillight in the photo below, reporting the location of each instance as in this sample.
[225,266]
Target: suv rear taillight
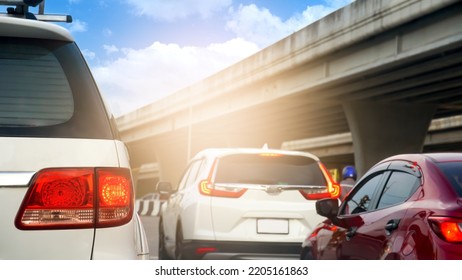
[207,187]
[69,198]
[449,229]
[332,189]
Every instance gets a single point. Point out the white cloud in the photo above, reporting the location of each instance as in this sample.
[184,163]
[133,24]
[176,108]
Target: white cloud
[169,10]
[237,47]
[78,26]
[89,55]
[142,76]
[259,25]
[110,49]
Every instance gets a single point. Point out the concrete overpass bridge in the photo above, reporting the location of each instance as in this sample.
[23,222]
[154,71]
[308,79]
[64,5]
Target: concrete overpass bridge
[379,71]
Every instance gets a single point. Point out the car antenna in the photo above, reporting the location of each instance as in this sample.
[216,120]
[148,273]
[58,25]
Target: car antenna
[21,10]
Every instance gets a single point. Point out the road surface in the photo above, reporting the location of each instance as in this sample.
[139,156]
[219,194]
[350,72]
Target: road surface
[151,225]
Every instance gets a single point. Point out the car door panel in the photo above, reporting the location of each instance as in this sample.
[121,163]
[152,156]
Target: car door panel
[371,239]
[369,220]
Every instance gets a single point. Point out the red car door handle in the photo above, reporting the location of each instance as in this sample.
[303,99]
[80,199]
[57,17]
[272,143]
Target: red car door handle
[391,225]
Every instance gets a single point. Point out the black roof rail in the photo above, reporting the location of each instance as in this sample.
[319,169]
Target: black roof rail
[20,9]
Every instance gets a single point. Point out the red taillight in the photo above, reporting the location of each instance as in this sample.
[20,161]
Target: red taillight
[206,187]
[205,250]
[449,229]
[65,198]
[115,203]
[332,189]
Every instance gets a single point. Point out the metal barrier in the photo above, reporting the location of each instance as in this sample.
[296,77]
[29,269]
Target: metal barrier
[147,207]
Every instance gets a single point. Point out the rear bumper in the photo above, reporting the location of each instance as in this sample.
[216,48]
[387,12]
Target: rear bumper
[235,250]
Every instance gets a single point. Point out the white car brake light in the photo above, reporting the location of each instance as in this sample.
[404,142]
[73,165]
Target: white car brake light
[69,198]
[206,187]
[332,189]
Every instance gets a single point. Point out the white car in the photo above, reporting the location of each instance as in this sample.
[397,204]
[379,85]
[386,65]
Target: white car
[66,188]
[240,203]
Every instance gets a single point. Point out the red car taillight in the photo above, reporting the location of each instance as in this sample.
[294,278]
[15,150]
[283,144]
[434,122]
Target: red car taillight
[449,229]
[205,250]
[332,189]
[69,198]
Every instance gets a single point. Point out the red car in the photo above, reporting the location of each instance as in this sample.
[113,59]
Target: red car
[405,207]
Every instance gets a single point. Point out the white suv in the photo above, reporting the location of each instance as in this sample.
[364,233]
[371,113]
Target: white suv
[241,203]
[66,188]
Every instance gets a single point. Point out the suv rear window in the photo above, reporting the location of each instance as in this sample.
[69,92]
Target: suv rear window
[269,170]
[452,171]
[35,90]
[46,90]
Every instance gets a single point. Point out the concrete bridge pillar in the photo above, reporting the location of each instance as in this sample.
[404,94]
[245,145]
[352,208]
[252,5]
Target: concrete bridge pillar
[380,130]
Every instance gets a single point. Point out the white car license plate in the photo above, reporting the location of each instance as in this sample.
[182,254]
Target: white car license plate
[273,226]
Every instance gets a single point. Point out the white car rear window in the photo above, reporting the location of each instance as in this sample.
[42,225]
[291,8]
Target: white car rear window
[269,170]
[34,89]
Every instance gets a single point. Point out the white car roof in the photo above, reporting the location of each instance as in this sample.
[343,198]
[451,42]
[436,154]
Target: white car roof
[29,28]
[218,152]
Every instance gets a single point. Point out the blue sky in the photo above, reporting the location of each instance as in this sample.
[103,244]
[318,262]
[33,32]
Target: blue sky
[142,50]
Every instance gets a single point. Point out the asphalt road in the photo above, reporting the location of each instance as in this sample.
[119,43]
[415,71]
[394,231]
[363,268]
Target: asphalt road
[151,226]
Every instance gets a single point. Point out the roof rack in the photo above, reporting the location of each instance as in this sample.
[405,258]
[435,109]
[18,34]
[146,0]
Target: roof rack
[20,9]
